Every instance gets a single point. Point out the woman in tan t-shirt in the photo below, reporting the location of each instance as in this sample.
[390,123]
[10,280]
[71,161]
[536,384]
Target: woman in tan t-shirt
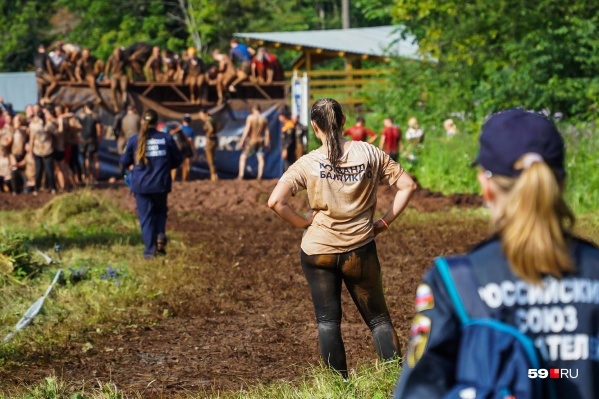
[338,246]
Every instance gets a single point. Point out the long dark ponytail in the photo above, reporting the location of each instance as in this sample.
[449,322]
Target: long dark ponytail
[149,120]
[328,116]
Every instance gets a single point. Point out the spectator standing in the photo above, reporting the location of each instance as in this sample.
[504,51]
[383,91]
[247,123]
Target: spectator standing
[150,156]
[338,245]
[358,132]
[211,142]
[414,133]
[254,140]
[6,107]
[528,275]
[184,138]
[288,140]
[301,133]
[8,170]
[64,175]
[42,139]
[391,139]
[129,127]
[91,136]
[450,128]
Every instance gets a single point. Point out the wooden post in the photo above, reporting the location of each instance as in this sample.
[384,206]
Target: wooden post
[348,69]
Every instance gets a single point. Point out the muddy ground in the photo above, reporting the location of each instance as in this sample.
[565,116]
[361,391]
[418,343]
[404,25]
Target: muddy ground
[246,317]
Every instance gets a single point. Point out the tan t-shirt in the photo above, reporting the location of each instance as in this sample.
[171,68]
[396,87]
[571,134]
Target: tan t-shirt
[345,198]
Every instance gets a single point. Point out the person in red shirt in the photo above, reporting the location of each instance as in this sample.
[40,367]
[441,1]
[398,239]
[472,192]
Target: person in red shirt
[358,132]
[275,72]
[391,139]
[260,65]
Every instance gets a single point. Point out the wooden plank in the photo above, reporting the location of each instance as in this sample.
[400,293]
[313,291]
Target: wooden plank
[346,82]
[180,93]
[351,101]
[355,72]
[343,90]
[149,89]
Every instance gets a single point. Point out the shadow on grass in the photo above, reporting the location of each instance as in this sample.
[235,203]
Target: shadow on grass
[86,240]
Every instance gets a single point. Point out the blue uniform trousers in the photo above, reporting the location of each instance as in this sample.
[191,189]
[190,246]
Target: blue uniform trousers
[152,210]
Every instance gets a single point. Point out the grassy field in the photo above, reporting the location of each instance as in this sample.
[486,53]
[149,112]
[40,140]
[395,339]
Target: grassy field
[107,285]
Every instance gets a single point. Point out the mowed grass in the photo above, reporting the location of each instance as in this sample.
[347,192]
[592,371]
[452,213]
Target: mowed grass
[107,284]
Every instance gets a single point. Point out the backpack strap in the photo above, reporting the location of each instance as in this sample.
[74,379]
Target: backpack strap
[462,286]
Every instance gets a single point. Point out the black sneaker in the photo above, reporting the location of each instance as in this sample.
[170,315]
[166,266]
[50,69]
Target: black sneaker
[161,245]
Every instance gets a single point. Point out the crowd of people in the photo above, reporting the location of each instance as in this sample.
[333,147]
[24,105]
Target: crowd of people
[44,146]
[144,62]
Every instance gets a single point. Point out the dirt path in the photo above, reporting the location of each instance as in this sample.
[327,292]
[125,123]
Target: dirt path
[248,316]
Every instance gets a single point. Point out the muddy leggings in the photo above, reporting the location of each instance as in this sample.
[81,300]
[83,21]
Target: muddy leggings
[361,271]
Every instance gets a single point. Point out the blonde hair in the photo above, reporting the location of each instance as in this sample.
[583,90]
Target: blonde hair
[413,123]
[533,221]
[149,120]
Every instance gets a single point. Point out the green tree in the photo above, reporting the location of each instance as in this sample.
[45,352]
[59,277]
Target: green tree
[24,25]
[539,53]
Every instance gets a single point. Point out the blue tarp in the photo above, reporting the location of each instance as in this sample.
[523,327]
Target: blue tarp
[229,120]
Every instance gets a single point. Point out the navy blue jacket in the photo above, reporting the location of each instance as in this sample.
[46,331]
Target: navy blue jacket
[163,155]
[561,316]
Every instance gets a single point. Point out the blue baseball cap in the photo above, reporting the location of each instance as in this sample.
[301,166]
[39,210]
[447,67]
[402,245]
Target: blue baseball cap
[508,135]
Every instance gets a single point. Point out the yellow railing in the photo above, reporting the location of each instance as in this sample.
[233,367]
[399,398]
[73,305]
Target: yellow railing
[347,87]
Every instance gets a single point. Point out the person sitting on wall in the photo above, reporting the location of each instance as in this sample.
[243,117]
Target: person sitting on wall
[275,73]
[193,68]
[154,66]
[44,74]
[87,70]
[226,74]
[243,55]
[115,72]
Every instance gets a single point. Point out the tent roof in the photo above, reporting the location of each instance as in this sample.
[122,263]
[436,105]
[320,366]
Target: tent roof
[380,41]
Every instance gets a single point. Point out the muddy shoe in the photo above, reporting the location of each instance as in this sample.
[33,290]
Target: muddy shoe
[161,245]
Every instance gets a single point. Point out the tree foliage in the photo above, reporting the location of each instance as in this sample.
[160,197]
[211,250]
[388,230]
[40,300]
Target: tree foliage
[102,25]
[535,53]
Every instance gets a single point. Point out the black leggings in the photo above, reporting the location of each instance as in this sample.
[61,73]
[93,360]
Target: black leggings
[44,164]
[361,271]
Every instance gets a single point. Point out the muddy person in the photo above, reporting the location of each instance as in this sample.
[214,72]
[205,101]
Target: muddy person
[129,128]
[194,71]
[338,245]
[288,139]
[530,274]
[211,142]
[150,156]
[254,140]
[89,143]
[225,74]
[243,55]
[87,70]
[115,73]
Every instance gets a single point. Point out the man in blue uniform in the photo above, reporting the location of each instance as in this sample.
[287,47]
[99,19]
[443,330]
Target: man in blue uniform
[149,157]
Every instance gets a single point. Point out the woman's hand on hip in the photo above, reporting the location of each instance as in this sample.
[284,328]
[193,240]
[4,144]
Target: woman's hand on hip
[379,226]
[310,217]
